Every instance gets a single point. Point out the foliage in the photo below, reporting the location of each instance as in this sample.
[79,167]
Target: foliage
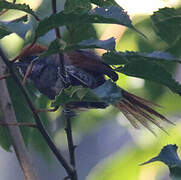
[78,18]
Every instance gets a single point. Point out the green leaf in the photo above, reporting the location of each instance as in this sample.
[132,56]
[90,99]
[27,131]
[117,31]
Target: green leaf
[151,71]
[104,3]
[108,44]
[108,92]
[121,58]
[4,32]
[169,156]
[74,94]
[22,7]
[5,138]
[59,46]
[167,23]
[112,15]
[77,6]
[56,46]
[22,111]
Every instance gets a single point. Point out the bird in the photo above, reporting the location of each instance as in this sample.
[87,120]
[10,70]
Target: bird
[84,68]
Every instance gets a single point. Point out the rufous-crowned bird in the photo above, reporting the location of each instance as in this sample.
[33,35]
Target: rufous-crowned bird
[83,68]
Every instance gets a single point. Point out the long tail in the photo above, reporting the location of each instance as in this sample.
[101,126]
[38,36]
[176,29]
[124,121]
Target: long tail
[139,111]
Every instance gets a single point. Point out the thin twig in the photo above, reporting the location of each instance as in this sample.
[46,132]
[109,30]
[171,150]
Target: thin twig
[58,35]
[68,115]
[39,124]
[18,124]
[68,128]
[9,117]
[71,146]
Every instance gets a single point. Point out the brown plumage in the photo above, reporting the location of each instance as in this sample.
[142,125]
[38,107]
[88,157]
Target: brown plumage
[136,109]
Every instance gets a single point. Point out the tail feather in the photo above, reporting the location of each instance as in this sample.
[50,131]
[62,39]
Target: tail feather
[137,109]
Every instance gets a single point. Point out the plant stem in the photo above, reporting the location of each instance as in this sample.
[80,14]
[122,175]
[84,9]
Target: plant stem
[68,128]
[9,117]
[71,145]
[39,124]
[58,35]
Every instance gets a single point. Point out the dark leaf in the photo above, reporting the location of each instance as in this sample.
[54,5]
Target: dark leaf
[121,58]
[5,138]
[74,30]
[56,46]
[169,156]
[112,15]
[167,23]
[104,2]
[22,111]
[74,94]
[150,71]
[77,6]
[21,7]
[60,46]
[108,44]
[108,93]
[4,32]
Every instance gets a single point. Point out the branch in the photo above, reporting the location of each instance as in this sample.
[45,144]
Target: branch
[57,32]
[68,131]
[17,139]
[68,128]
[39,124]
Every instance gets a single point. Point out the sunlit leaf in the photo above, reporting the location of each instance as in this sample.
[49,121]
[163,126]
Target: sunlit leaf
[22,7]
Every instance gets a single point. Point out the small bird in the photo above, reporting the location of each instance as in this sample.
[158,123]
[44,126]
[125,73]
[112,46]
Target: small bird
[83,68]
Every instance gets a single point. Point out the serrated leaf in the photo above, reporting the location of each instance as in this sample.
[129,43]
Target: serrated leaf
[104,2]
[116,13]
[59,46]
[56,46]
[108,92]
[22,7]
[4,32]
[112,15]
[169,156]
[72,94]
[77,5]
[167,23]
[151,71]
[121,58]
[108,44]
